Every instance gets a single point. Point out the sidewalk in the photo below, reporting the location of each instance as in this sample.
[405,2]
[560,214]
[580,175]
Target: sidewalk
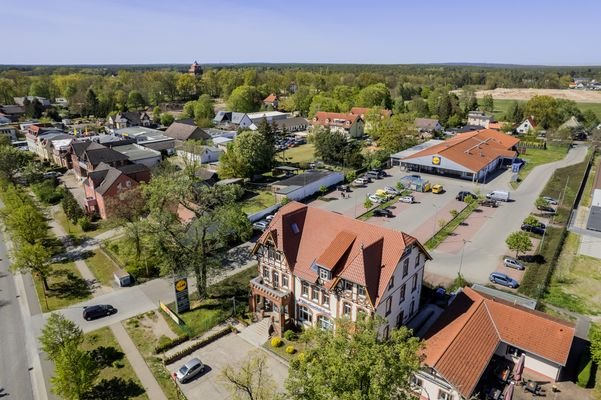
[153,390]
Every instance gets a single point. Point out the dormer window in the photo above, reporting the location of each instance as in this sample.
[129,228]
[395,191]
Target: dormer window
[324,274]
[295,228]
[348,285]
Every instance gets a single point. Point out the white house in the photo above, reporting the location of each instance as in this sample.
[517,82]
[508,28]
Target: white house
[526,126]
[478,118]
[316,266]
[202,154]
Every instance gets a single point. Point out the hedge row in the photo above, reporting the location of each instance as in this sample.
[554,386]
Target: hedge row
[171,344]
[189,350]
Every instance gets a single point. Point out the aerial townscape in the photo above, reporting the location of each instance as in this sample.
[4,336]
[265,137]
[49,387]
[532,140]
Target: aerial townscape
[329,207]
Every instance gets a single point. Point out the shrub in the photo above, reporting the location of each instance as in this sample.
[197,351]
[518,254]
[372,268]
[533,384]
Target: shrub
[85,223]
[585,367]
[276,341]
[118,364]
[530,220]
[290,349]
[453,213]
[285,200]
[289,335]
[166,344]
[189,350]
[47,191]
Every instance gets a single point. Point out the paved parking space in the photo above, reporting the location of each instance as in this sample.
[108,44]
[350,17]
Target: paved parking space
[229,350]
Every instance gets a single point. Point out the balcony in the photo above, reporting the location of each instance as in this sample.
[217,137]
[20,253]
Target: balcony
[258,287]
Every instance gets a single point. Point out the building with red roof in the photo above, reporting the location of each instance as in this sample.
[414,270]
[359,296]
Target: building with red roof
[350,124]
[316,266]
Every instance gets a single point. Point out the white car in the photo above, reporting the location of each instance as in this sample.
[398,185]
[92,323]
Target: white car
[513,263]
[360,181]
[406,199]
[550,200]
[392,191]
[260,226]
[375,199]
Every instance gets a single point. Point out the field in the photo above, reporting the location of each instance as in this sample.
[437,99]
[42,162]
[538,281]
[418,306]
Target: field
[579,96]
[301,154]
[502,105]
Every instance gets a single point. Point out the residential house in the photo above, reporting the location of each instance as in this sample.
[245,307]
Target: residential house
[270,116]
[271,101]
[12,111]
[238,120]
[195,69]
[129,118]
[182,132]
[200,154]
[316,266]
[9,131]
[139,154]
[526,126]
[428,125]
[222,142]
[571,124]
[53,143]
[291,125]
[350,125]
[20,101]
[87,156]
[149,138]
[33,132]
[479,118]
[107,182]
[478,330]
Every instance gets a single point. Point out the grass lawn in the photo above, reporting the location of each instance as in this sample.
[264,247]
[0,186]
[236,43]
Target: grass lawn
[117,379]
[281,351]
[501,107]
[145,341]
[258,202]
[210,312]
[102,267]
[66,287]
[301,154]
[576,283]
[536,157]
[75,230]
[587,195]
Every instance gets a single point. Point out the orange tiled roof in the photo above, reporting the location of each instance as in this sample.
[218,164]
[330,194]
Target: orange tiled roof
[354,250]
[474,150]
[495,125]
[334,119]
[461,343]
[270,99]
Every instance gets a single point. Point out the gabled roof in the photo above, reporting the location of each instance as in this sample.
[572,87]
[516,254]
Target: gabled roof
[334,119]
[104,154]
[473,150]
[80,147]
[104,176]
[426,123]
[183,131]
[271,98]
[354,250]
[461,343]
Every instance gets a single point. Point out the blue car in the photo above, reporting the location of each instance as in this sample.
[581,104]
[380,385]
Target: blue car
[502,279]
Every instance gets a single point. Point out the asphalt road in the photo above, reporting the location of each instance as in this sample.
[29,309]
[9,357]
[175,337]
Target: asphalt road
[15,381]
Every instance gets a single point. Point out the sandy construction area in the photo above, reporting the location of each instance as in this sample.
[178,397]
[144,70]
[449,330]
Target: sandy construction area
[579,96]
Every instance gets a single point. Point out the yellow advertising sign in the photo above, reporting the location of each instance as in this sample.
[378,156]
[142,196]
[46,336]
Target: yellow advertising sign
[181,285]
[436,160]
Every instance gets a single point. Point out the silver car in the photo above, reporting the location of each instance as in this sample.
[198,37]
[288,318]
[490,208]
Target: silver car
[189,370]
[513,263]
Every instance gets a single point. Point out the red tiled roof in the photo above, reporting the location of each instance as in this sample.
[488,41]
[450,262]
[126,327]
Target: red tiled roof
[473,150]
[532,122]
[461,343]
[357,251]
[270,99]
[334,119]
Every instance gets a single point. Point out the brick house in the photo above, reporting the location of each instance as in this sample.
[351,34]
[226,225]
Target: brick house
[86,156]
[316,266]
[107,182]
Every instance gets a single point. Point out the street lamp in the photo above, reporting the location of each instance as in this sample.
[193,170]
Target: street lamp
[435,217]
[461,258]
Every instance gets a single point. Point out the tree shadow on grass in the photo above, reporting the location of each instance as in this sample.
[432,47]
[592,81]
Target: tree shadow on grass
[106,356]
[115,389]
[70,286]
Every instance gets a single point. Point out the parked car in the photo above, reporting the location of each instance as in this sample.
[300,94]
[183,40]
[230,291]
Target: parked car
[437,189]
[51,174]
[269,217]
[550,200]
[463,194]
[97,311]
[391,190]
[375,199]
[375,174]
[189,370]
[360,181]
[489,203]
[260,226]
[344,188]
[499,195]
[407,199]
[502,279]
[533,228]
[383,212]
[546,209]
[415,176]
[513,263]
[384,194]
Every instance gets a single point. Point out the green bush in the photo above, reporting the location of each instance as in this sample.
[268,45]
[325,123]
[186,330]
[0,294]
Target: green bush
[85,223]
[189,350]
[289,335]
[585,367]
[290,349]
[165,343]
[276,341]
[47,191]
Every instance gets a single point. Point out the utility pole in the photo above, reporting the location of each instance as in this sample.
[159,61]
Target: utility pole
[461,258]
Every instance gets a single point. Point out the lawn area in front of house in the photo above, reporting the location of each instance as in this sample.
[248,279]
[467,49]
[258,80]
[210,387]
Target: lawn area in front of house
[102,267]
[304,153]
[75,230]
[116,379]
[260,201]
[66,287]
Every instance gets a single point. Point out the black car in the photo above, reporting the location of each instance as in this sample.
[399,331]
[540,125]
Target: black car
[101,310]
[383,212]
[462,195]
[547,209]
[533,228]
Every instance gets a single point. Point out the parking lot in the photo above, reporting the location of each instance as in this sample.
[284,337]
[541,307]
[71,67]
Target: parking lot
[229,350]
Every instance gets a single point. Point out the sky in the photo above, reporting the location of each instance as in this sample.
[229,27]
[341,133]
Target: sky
[533,32]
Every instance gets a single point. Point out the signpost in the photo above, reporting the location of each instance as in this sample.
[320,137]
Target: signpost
[182,299]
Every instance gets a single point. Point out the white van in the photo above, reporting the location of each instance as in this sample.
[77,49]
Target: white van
[499,195]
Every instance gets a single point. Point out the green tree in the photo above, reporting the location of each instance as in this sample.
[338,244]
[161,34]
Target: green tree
[368,203]
[91,104]
[251,380]
[376,95]
[488,103]
[34,258]
[186,86]
[322,102]
[519,241]
[249,154]
[353,362]
[544,111]
[75,372]
[59,333]
[135,100]
[204,108]
[244,98]
[594,335]
[71,207]
[515,113]
[167,119]
[12,161]
[329,146]
[27,223]
[156,114]
[530,220]
[7,91]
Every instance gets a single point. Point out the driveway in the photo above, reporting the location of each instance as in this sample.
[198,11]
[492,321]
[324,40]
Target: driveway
[230,350]
[75,186]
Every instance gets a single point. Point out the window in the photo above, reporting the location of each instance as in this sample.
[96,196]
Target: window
[285,280]
[295,228]
[304,315]
[414,282]
[412,309]
[388,305]
[348,285]
[324,323]
[265,272]
[305,290]
[418,259]
[314,293]
[416,383]
[402,298]
[391,283]
[324,274]
[386,332]
[346,310]
[400,318]
[128,183]
[275,279]
[405,267]
[361,291]
[442,395]
[325,299]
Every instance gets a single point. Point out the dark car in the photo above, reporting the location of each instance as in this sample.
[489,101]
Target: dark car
[462,195]
[502,279]
[100,310]
[383,212]
[489,203]
[533,228]
[547,209]
[344,188]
